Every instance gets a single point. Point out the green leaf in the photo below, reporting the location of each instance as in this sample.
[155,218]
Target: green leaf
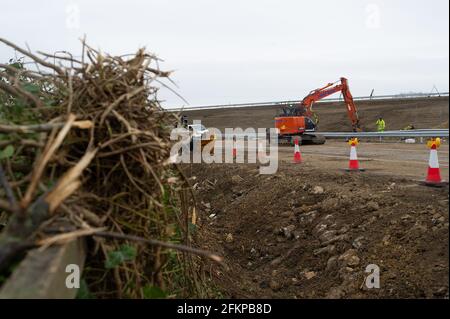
[83,292]
[129,252]
[32,88]
[16,65]
[48,102]
[192,228]
[116,258]
[153,292]
[7,152]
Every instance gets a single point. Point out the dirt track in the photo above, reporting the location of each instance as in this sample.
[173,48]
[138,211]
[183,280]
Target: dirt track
[422,113]
[396,159]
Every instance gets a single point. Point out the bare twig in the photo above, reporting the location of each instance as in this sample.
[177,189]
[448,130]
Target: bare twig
[173,91]
[24,142]
[39,168]
[127,149]
[42,127]
[66,237]
[6,206]
[69,182]
[8,191]
[125,96]
[29,73]
[60,57]
[33,57]
[155,242]
[17,91]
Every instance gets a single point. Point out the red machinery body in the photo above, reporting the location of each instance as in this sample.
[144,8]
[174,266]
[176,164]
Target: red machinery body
[290,124]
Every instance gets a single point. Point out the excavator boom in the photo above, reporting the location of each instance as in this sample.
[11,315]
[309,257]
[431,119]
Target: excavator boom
[328,90]
[351,108]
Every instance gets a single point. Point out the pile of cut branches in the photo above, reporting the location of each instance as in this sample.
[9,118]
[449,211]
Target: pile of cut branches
[85,140]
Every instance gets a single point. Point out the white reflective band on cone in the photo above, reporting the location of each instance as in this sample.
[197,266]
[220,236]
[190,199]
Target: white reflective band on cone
[433,162]
[353,155]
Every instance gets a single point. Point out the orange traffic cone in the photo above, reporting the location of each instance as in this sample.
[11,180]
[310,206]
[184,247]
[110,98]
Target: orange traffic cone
[297,155]
[353,164]
[434,172]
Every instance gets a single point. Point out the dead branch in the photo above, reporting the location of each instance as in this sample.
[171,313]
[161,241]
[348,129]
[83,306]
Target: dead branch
[42,127]
[8,191]
[39,168]
[33,57]
[155,242]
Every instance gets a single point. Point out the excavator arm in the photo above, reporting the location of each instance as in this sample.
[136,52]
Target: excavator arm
[351,107]
[329,89]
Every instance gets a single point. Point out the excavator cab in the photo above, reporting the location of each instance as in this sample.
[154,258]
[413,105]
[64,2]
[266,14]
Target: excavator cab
[310,126]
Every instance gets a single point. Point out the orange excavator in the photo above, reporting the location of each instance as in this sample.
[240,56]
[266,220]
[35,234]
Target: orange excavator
[299,121]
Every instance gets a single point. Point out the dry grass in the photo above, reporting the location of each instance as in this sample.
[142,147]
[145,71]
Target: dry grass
[97,151]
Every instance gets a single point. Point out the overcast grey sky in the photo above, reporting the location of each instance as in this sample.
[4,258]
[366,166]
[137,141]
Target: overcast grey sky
[234,51]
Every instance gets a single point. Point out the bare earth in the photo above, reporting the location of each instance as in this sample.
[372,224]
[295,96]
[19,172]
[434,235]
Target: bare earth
[311,229]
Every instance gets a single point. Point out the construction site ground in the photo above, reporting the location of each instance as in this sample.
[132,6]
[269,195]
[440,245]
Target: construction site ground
[311,229]
[385,158]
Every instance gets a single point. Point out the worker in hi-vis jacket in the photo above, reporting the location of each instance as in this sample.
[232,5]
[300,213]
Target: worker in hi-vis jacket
[381,124]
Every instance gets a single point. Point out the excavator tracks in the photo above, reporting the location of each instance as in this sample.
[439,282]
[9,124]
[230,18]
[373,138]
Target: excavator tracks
[315,139]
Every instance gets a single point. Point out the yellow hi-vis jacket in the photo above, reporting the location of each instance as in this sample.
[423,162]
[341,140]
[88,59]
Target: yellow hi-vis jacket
[381,125]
